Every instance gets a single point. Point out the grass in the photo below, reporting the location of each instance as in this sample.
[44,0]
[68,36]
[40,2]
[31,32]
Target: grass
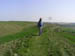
[28,43]
[21,34]
[25,32]
[9,28]
[69,36]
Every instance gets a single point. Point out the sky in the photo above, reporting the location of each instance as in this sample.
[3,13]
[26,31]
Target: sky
[32,10]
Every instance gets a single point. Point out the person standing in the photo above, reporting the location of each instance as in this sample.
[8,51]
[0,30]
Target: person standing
[40,26]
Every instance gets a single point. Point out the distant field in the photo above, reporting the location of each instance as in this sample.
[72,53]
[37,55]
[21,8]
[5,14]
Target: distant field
[21,39]
[7,28]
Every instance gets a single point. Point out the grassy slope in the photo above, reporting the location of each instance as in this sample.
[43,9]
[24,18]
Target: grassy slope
[8,38]
[12,30]
[9,28]
[50,43]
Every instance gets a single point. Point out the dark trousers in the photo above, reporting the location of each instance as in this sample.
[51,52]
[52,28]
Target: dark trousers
[40,31]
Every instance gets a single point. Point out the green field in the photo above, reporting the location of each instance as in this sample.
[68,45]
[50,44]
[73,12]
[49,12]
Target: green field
[21,39]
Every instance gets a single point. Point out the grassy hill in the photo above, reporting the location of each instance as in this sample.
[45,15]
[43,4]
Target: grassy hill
[21,39]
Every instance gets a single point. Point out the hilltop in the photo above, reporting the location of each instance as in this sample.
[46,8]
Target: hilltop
[21,39]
